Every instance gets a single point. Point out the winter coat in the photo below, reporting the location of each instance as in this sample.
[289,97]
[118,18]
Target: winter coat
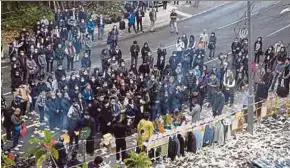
[208,135]
[23,91]
[218,102]
[144,69]
[87,95]
[144,52]
[50,55]
[59,54]
[91,26]
[212,42]
[86,62]
[64,105]
[134,49]
[52,106]
[31,66]
[131,18]
[88,43]
[78,45]
[191,143]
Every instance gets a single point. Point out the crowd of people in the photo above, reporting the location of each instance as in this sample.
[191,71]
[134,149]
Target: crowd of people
[114,98]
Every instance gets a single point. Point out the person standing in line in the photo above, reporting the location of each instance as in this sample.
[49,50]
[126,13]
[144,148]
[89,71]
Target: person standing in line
[101,27]
[173,21]
[153,18]
[91,28]
[139,18]
[135,49]
[212,45]
[119,130]
[15,119]
[70,52]
[258,49]
[218,102]
[131,23]
[203,39]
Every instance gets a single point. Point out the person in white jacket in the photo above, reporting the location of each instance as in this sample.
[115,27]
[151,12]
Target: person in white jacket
[278,46]
[229,84]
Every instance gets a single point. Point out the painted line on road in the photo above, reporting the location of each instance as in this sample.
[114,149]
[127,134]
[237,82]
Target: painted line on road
[230,24]
[211,9]
[277,31]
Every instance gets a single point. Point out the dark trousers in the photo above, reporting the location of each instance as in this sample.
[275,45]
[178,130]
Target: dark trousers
[15,136]
[229,95]
[75,138]
[257,56]
[41,113]
[59,62]
[139,25]
[32,105]
[176,2]
[164,5]
[23,107]
[49,67]
[120,148]
[8,132]
[134,60]
[134,27]
[286,83]
[211,53]
[70,63]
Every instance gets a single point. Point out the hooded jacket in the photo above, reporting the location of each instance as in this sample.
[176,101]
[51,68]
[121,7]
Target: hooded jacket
[191,143]
[181,144]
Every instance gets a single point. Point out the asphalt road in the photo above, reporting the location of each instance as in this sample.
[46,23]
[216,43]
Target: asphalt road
[225,22]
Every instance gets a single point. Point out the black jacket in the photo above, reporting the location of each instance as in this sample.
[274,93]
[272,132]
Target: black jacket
[172,149]
[134,49]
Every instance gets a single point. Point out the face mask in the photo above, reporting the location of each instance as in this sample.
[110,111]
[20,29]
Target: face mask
[82,80]
[73,78]
[93,80]
[14,66]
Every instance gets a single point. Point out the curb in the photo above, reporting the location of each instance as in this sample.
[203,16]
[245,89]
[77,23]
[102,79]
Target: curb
[162,26]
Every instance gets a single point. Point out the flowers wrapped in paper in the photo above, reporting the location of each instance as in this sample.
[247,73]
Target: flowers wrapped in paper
[107,141]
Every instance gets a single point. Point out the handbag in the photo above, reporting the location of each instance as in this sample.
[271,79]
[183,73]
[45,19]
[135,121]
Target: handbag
[23,131]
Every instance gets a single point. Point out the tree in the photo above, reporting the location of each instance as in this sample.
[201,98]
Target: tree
[140,160]
[44,148]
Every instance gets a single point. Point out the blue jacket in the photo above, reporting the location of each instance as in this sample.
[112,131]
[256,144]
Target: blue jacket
[130,111]
[87,94]
[90,26]
[52,106]
[64,105]
[131,18]
[78,45]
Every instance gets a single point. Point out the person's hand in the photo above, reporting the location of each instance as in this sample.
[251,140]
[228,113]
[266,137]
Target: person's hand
[57,111]
[76,133]
[109,123]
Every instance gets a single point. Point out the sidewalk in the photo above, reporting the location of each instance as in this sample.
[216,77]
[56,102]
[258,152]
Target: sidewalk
[184,11]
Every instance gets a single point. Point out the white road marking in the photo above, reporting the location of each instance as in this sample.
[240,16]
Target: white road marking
[245,17]
[277,31]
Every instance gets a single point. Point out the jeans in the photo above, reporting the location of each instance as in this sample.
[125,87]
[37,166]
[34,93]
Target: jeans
[134,27]
[113,44]
[100,32]
[152,26]
[211,52]
[173,25]
[134,60]
[277,77]
[41,113]
[15,136]
[229,95]
[91,33]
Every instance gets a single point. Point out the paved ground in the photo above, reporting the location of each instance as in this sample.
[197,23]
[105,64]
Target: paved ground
[225,21]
